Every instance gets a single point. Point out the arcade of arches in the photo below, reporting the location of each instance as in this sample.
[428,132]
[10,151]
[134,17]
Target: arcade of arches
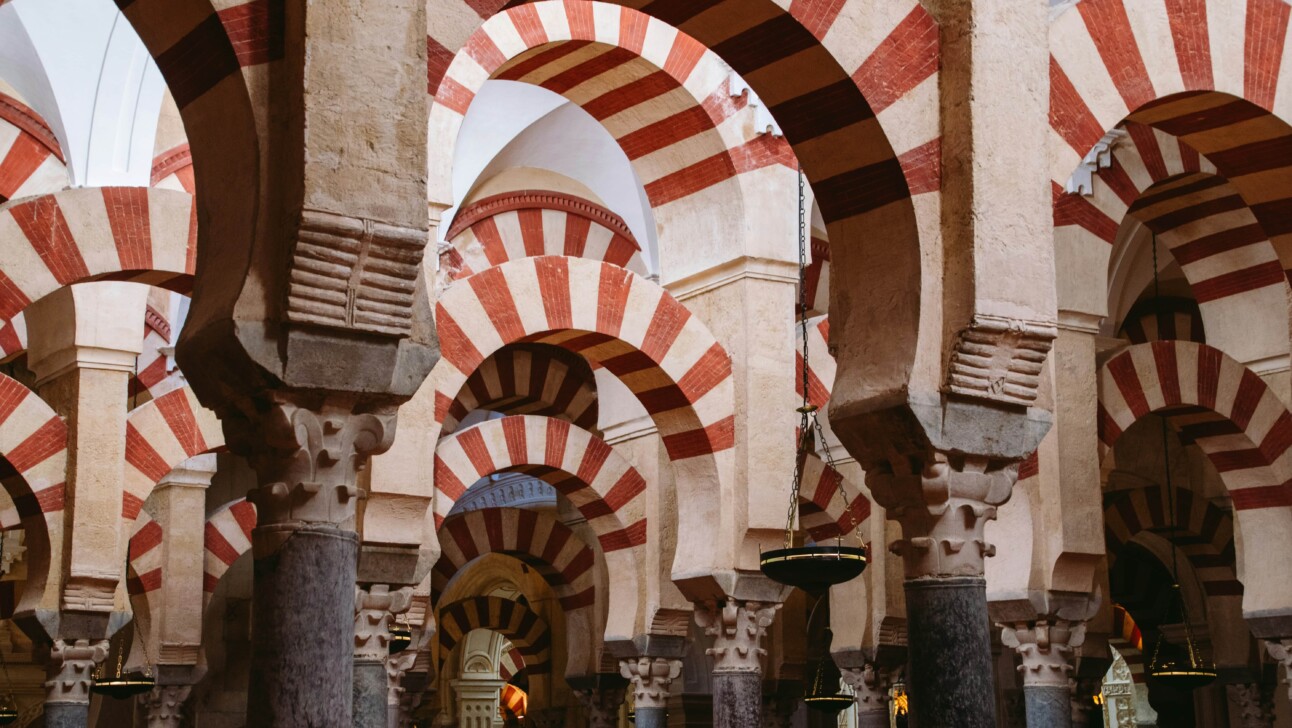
[389,363]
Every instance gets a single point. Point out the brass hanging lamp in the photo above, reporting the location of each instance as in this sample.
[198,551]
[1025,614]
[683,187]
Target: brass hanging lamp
[124,684]
[812,568]
[1181,666]
[400,638]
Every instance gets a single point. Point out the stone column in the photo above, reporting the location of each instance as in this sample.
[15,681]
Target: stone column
[179,502]
[650,679]
[70,671]
[478,701]
[602,706]
[1046,648]
[737,628]
[164,705]
[306,451]
[375,610]
[871,690]
[942,510]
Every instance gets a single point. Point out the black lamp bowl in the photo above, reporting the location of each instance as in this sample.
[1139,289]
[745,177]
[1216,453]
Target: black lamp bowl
[8,714]
[814,568]
[124,686]
[400,639]
[1184,677]
[829,704]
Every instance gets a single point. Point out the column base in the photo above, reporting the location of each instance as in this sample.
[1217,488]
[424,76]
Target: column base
[651,718]
[67,715]
[1049,706]
[737,699]
[950,653]
[370,707]
[303,617]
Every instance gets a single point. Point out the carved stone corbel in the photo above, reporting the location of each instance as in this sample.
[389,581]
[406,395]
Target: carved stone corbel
[650,679]
[164,705]
[737,628]
[1281,650]
[1000,359]
[71,669]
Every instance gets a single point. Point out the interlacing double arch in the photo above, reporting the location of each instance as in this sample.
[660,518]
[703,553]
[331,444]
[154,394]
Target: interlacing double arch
[1249,447]
[525,629]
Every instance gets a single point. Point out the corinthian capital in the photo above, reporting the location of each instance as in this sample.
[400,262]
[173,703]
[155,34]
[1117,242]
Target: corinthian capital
[165,705]
[1046,647]
[737,628]
[307,451]
[943,507]
[650,679]
[374,614]
[71,669]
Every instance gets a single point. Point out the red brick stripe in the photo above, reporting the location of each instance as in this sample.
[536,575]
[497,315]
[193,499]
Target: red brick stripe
[1069,114]
[21,161]
[1188,19]
[48,440]
[141,455]
[177,413]
[42,223]
[903,60]
[1266,28]
[1111,32]
[127,209]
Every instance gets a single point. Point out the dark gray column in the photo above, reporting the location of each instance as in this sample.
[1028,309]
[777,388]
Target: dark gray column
[737,699]
[70,671]
[303,619]
[306,451]
[949,640]
[1047,705]
[737,627]
[370,710]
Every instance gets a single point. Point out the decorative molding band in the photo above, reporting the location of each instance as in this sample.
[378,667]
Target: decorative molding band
[538,199]
[352,273]
[20,115]
[170,162]
[1000,359]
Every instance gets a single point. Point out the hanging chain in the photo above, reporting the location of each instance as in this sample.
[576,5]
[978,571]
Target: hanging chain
[1166,461]
[803,445]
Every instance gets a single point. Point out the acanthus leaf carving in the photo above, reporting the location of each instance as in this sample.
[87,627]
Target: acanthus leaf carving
[650,678]
[1046,648]
[375,610]
[71,669]
[737,628]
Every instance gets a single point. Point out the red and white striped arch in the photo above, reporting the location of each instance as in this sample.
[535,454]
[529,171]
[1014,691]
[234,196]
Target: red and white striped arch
[887,51]
[538,539]
[33,440]
[612,317]
[821,511]
[1164,318]
[1223,251]
[514,700]
[520,380]
[1204,72]
[1203,532]
[31,161]
[526,630]
[173,170]
[145,556]
[1249,449]
[93,233]
[227,535]
[511,664]
[160,435]
[600,482]
[527,223]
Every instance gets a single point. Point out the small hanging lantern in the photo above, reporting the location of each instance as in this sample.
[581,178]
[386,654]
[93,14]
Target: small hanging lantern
[825,695]
[812,568]
[1180,666]
[122,684]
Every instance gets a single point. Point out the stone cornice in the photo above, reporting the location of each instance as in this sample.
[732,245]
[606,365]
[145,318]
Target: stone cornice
[538,199]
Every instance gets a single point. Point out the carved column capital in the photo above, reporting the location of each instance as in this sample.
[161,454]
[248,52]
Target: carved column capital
[869,686]
[1281,650]
[943,502]
[374,614]
[602,706]
[307,451]
[1253,711]
[650,679]
[165,705]
[737,628]
[396,665]
[1046,647]
[71,669]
